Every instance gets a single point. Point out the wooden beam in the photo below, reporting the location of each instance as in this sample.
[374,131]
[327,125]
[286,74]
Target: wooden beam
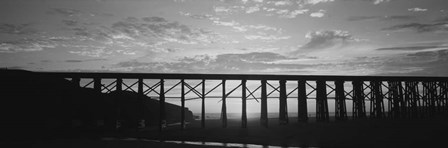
[162,115]
[224,105]
[341,112]
[119,84]
[321,101]
[203,104]
[97,84]
[302,102]
[283,103]
[264,104]
[182,99]
[243,99]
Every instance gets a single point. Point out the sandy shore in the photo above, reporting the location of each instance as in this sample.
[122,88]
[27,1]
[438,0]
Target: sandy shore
[353,133]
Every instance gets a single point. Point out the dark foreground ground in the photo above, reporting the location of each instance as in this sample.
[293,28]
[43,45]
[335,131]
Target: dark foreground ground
[426,132]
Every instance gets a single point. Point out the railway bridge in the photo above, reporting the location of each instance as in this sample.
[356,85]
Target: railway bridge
[369,96]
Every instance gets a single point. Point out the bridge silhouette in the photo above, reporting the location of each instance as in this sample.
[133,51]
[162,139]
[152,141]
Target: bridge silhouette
[405,97]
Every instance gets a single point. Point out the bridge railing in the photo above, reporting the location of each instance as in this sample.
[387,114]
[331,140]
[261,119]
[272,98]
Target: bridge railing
[371,96]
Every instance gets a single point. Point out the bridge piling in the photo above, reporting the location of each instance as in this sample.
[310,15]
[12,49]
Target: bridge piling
[321,101]
[243,99]
[358,100]
[162,114]
[76,81]
[203,104]
[283,103]
[340,107]
[97,84]
[302,101]
[119,84]
[412,99]
[264,104]
[141,101]
[376,100]
[182,99]
[224,105]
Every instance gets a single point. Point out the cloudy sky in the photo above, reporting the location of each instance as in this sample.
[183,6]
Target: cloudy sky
[324,37]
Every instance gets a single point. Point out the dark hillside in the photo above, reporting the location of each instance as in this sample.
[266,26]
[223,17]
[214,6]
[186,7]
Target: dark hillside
[37,106]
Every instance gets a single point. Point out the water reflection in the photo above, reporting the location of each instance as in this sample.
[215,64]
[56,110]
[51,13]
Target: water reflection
[220,144]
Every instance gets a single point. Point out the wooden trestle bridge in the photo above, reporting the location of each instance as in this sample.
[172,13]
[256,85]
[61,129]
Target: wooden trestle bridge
[405,97]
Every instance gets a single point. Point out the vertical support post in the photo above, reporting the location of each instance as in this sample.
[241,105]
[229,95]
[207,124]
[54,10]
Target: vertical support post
[141,106]
[341,112]
[120,119]
[264,104]
[433,98]
[377,99]
[182,99]
[358,100]
[414,98]
[426,96]
[302,102]
[162,117]
[444,94]
[203,104]
[97,84]
[119,84]
[283,103]
[321,101]
[76,81]
[401,101]
[394,97]
[140,86]
[224,105]
[243,97]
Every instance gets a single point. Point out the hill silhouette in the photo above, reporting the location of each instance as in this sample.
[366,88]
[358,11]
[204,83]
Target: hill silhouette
[40,106]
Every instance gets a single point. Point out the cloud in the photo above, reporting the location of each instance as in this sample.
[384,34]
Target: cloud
[17,29]
[376,2]
[410,48]
[221,9]
[294,13]
[318,14]
[200,16]
[314,2]
[438,27]
[252,9]
[326,39]
[416,9]
[281,3]
[70,22]
[87,60]
[25,45]
[271,38]
[154,19]
[381,18]
[263,27]
[93,51]
[424,63]
[254,62]
[132,35]
[243,28]
[235,25]
[157,28]
[65,12]
[73,61]
[266,37]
